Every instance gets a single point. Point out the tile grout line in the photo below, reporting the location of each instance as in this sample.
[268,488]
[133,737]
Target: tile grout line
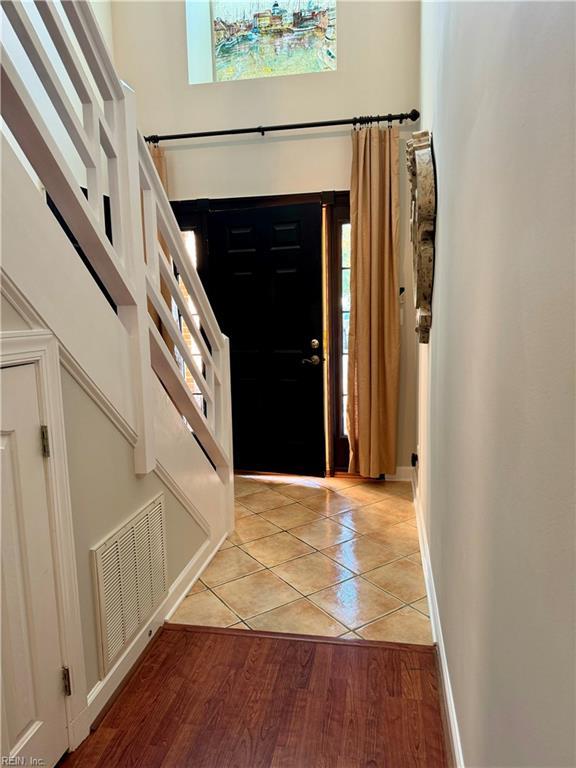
[319,551]
[322,516]
[307,597]
[404,604]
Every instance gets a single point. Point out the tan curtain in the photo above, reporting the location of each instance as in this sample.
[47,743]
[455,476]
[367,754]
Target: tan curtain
[159,158]
[374,341]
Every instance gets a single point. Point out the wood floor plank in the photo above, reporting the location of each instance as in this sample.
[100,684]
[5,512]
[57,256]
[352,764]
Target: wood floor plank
[255,700]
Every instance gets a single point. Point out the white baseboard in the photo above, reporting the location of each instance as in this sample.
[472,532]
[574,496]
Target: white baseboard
[104,689]
[403,474]
[437,635]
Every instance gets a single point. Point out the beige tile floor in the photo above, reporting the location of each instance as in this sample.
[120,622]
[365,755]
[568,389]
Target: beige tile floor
[335,557]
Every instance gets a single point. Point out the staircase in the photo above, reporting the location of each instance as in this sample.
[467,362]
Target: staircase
[135,329]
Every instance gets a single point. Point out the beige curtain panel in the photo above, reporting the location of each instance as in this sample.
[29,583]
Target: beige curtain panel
[159,158]
[374,341]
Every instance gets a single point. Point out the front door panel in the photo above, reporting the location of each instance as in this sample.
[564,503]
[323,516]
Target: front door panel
[265,283]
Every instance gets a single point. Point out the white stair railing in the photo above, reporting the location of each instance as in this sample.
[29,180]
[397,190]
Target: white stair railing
[86,147]
[195,378]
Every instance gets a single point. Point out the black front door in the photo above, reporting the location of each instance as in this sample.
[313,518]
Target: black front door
[265,284]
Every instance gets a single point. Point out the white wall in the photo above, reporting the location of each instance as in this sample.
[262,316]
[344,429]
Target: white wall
[378,55]
[106,493]
[42,269]
[103,12]
[378,44]
[498,462]
[45,286]
[10,320]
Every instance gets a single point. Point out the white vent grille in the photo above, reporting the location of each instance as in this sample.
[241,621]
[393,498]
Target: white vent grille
[131,579]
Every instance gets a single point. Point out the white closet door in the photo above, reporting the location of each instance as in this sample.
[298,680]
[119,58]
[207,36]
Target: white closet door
[33,704]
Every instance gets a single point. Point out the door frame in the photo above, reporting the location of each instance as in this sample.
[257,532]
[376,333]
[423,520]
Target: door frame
[192,215]
[339,214]
[40,348]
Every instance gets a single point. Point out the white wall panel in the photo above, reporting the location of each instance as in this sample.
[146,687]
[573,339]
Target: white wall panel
[39,259]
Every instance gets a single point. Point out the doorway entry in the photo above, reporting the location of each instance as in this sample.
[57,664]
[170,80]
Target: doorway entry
[272,269]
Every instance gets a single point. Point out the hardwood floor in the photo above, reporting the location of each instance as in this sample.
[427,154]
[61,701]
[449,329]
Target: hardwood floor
[211,698]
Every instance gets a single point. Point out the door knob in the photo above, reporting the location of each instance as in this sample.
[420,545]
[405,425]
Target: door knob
[314,360]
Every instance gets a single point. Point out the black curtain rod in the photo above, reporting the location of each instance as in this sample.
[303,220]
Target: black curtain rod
[262,129]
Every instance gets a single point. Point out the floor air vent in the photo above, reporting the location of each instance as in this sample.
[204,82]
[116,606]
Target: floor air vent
[131,580]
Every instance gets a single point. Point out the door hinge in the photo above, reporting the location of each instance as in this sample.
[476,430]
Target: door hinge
[66,681]
[45,441]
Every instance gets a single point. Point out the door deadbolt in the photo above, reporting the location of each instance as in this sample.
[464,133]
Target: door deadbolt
[314,343]
[314,360]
